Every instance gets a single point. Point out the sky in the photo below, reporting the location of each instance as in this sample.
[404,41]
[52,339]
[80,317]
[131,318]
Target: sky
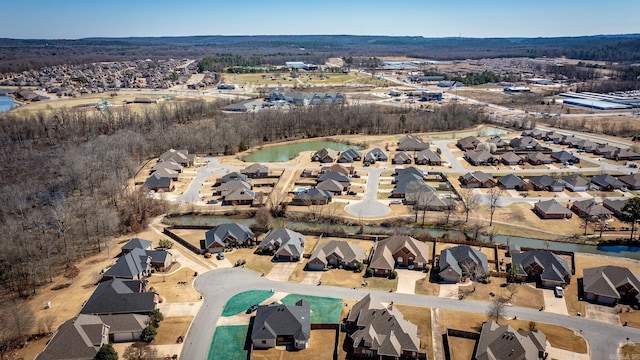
[74,19]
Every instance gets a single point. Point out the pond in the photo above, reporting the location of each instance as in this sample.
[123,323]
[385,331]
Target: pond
[285,152]
[618,251]
[6,103]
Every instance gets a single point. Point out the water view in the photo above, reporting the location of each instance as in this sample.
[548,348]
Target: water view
[6,103]
[285,152]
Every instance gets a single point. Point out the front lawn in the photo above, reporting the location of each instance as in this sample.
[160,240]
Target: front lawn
[229,343]
[324,310]
[240,302]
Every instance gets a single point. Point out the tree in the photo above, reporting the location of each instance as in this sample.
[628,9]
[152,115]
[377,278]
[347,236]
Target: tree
[155,317]
[149,333]
[140,351]
[450,208]
[494,197]
[631,213]
[470,201]
[263,218]
[165,244]
[107,352]
[497,308]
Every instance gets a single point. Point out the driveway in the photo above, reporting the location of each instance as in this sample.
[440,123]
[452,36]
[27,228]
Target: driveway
[564,354]
[448,291]
[281,271]
[312,277]
[601,313]
[554,304]
[370,206]
[180,309]
[407,280]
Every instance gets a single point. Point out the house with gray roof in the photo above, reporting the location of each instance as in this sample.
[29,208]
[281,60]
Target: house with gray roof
[349,155]
[133,265]
[168,165]
[239,197]
[401,157]
[625,154]
[543,267]
[232,176]
[551,209]
[610,285]
[160,260]
[125,327]
[332,186]
[428,157]
[481,157]
[118,296]
[255,171]
[511,181]
[228,187]
[570,140]
[284,244]
[564,157]
[226,236]
[398,250]
[136,243]
[586,145]
[410,183]
[181,157]
[339,177]
[339,168]
[575,182]
[590,209]
[312,196]
[336,253]
[159,183]
[497,141]
[376,155]
[79,339]
[325,155]
[632,182]
[467,143]
[477,179]
[412,143]
[280,325]
[525,143]
[615,206]
[606,182]
[545,183]
[167,173]
[511,158]
[538,158]
[379,332]
[460,262]
[504,342]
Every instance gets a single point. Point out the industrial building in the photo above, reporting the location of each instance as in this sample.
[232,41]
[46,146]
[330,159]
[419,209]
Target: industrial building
[601,101]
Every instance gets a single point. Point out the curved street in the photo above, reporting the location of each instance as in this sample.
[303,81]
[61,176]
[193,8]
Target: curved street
[370,206]
[218,286]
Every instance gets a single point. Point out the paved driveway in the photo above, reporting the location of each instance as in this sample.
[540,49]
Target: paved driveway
[407,280]
[281,271]
[564,354]
[601,313]
[554,304]
[449,291]
[312,277]
[179,309]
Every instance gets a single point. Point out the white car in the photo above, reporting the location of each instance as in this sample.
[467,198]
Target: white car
[558,291]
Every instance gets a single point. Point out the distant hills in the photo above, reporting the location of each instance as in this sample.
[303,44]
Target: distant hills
[17,54]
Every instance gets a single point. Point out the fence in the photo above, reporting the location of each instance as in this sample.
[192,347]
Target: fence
[182,242]
[457,333]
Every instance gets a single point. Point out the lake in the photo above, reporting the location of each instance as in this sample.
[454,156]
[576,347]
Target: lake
[285,152]
[6,103]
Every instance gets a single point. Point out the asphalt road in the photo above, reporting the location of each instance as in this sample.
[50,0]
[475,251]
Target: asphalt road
[370,206]
[218,286]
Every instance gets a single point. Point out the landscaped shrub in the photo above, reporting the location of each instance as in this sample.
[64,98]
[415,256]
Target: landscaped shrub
[149,333]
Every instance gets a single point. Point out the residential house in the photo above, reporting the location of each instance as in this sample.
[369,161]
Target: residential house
[536,134]
[336,253]
[412,143]
[118,296]
[497,141]
[538,158]
[409,183]
[481,157]
[606,182]
[511,158]
[398,250]
[312,196]
[232,176]
[610,285]
[159,260]
[284,244]
[136,243]
[79,338]
[606,150]
[168,165]
[544,267]
[477,179]
[337,176]
[337,168]
[632,182]
[125,327]
[325,155]
[615,206]
[181,157]
[167,173]
[331,186]
[586,145]
[511,181]
[159,183]
[376,155]
[401,157]
[570,140]
[551,209]
[239,197]
[575,182]
[626,154]
[460,262]
[546,183]
[281,325]
[255,171]
[564,157]
[133,265]
[349,155]
[378,332]
[425,198]
[554,137]
[467,143]
[504,342]
[225,236]
[590,209]
[428,157]
[228,187]
[525,143]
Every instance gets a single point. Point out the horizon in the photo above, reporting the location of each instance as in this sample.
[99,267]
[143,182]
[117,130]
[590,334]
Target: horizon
[76,19]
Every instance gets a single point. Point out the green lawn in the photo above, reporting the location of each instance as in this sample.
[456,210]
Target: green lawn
[228,343]
[324,310]
[240,302]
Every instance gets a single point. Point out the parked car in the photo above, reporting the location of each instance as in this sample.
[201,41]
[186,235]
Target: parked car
[220,256]
[351,192]
[252,308]
[558,291]
[395,202]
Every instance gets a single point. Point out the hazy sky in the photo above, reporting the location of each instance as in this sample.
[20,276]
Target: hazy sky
[73,19]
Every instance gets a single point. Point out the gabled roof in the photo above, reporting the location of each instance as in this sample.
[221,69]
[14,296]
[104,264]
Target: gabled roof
[383,255]
[330,185]
[563,156]
[606,180]
[504,342]
[607,280]
[524,143]
[480,176]
[170,165]
[325,153]
[497,140]
[119,296]
[633,181]
[510,180]
[336,168]
[544,181]
[591,208]
[313,194]
[276,320]
[219,233]
[554,268]
[575,180]
[129,266]
[552,207]
[538,157]
[125,323]
[478,156]
[240,195]
[410,183]
[233,176]
[376,154]
[350,155]
[511,157]
[178,156]
[77,339]
[412,143]
[451,258]
[410,170]
[167,173]
[157,180]
[255,168]
[468,142]
[346,251]
[401,156]
[428,155]
[291,241]
[228,187]
[137,243]
[332,175]
[614,205]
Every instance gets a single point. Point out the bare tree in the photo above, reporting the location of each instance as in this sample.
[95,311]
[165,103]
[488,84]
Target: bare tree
[498,308]
[450,208]
[263,218]
[470,201]
[495,193]
[140,351]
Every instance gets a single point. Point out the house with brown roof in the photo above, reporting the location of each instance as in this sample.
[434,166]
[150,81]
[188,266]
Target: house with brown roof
[551,209]
[325,155]
[79,338]
[481,157]
[346,170]
[401,157]
[239,197]
[504,342]
[590,209]
[428,157]
[538,158]
[398,250]
[511,158]
[412,143]
[336,253]
[332,186]
[632,181]
[543,267]
[615,206]
[477,179]
[610,285]
[255,171]
[606,182]
[467,143]
[312,196]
